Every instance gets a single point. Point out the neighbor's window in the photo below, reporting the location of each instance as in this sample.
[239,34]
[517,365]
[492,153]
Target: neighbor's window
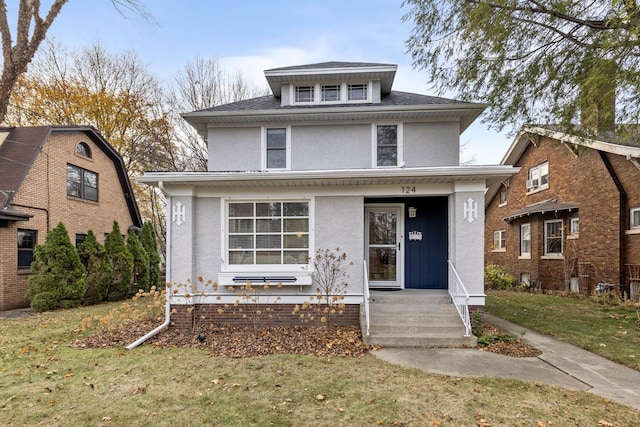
[80,238]
[525,240]
[500,240]
[635,218]
[26,244]
[553,236]
[262,233]
[503,197]
[538,178]
[387,145]
[276,148]
[330,93]
[574,229]
[304,93]
[83,150]
[82,183]
[357,92]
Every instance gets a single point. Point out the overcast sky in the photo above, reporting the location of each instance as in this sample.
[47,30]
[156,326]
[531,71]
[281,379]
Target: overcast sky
[252,36]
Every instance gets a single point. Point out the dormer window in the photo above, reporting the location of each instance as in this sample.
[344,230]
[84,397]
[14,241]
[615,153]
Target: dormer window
[304,93]
[357,92]
[330,93]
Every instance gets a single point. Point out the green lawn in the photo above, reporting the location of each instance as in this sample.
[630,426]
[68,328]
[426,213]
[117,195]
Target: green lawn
[609,331]
[44,381]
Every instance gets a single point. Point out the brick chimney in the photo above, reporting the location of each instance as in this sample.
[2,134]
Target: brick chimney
[598,97]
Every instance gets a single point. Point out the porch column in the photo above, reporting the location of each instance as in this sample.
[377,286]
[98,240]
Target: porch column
[466,240]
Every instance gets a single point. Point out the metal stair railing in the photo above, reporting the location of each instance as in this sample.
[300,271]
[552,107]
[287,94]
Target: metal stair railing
[460,298]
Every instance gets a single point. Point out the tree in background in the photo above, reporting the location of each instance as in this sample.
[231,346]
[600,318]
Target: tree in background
[199,85]
[140,263]
[57,274]
[148,240]
[121,262]
[97,267]
[530,59]
[30,30]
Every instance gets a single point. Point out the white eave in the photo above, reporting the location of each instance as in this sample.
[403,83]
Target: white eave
[316,178]
[466,113]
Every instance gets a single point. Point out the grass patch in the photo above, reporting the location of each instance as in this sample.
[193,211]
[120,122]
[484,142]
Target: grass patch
[610,331]
[44,381]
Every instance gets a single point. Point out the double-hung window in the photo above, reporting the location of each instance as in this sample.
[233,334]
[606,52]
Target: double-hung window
[26,244]
[276,153]
[82,183]
[387,147]
[499,240]
[525,240]
[553,237]
[538,178]
[268,233]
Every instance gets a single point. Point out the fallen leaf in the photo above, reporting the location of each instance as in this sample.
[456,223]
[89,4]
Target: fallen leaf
[321,396]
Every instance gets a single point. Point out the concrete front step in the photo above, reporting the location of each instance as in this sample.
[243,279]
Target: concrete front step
[414,318]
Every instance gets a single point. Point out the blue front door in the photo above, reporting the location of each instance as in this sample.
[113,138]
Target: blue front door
[426,243]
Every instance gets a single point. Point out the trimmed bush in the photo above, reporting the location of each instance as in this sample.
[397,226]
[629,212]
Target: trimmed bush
[140,262]
[498,277]
[150,244]
[121,262]
[98,269]
[57,275]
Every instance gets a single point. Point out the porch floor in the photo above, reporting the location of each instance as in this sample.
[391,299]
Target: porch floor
[414,318]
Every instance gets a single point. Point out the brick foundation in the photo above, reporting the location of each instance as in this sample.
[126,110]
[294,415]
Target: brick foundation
[185,316]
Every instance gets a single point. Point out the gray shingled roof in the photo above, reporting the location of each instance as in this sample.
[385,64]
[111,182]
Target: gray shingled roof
[331,64]
[270,102]
[541,208]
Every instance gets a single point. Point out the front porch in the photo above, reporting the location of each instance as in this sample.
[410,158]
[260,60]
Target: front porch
[414,318]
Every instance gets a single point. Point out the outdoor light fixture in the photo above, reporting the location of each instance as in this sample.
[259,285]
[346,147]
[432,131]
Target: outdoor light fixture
[412,212]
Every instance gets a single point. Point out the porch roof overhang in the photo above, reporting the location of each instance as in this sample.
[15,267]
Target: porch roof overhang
[324,178]
[10,214]
[548,206]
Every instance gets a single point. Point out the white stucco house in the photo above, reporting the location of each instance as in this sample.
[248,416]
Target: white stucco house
[333,158]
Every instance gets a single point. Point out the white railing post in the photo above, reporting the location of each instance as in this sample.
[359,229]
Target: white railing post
[460,298]
[365,294]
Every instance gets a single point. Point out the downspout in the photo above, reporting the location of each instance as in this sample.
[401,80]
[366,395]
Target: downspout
[623,210]
[167,307]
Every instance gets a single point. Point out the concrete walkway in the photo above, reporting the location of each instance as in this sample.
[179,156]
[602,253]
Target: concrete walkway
[560,364]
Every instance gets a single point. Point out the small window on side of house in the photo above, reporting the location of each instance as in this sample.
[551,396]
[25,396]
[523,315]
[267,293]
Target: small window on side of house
[499,240]
[574,228]
[80,238]
[26,245]
[635,219]
[82,149]
[553,238]
[538,178]
[503,197]
[525,240]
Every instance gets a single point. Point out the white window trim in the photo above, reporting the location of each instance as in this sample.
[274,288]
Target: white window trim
[525,255]
[535,188]
[554,255]
[344,95]
[633,226]
[573,234]
[374,145]
[263,148]
[499,249]
[500,202]
[274,269]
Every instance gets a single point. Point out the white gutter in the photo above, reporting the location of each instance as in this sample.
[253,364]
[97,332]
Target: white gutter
[167,306]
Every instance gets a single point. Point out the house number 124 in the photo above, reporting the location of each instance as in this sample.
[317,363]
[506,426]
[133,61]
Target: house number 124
[407,190]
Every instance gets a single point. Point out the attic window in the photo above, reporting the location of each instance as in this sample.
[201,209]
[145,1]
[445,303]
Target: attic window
[82,149]
[330,93]
[304,93]
[357,92]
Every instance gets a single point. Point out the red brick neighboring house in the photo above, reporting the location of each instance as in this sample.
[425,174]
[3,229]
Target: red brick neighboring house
[52,174]
[570,219]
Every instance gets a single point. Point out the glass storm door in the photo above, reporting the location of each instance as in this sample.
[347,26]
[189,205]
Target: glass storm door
[383,240]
